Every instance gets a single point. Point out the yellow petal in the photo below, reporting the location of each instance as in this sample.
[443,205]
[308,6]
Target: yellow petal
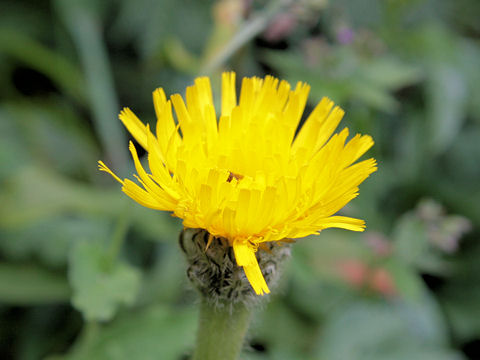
[229,97]
[141,196]
[168,138]
[155,191]
[245,257]
[103,167]
[134,126]
[342,222]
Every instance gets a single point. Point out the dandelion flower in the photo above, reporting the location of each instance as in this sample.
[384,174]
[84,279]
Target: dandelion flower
[247,177]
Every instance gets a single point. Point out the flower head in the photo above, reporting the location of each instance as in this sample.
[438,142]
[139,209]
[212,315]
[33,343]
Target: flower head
[247,177]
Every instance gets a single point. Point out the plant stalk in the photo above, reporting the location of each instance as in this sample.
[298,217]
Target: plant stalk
[245,34]
[221,331]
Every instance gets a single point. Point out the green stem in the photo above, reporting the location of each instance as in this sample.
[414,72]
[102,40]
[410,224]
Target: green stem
[246,33]
[221,331]
[87,336]
[120,231]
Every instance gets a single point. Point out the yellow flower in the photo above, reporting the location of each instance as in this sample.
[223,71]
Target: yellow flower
[247,177]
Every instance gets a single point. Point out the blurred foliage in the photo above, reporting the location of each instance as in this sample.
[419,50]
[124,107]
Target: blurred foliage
[88,274]
[99,283]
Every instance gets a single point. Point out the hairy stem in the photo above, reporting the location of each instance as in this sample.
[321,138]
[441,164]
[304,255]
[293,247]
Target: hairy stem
[221,331]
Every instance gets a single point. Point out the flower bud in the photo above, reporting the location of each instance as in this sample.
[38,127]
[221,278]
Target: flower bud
[213,270]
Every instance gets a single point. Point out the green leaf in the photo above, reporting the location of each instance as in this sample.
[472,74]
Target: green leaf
[374,330]
[441,52]
[270,327]
[57,67]
[50,240]
[157,332]
[30,284]
[149,23]
[463,311]
[36,193]
[85,28]
[446,91]
[460,296]
[373,96]
[390,73]
[10,143]
[407,282]
[344,74]
[424,237]
[44,127]
[163,282]
[100,285]
[410,239]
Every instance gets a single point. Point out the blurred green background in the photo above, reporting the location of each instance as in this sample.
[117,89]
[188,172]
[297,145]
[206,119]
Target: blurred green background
[85,273]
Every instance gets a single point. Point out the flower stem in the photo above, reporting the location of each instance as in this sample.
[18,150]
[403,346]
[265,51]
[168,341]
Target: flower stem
[221,331]
[120,232]
[245,34]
